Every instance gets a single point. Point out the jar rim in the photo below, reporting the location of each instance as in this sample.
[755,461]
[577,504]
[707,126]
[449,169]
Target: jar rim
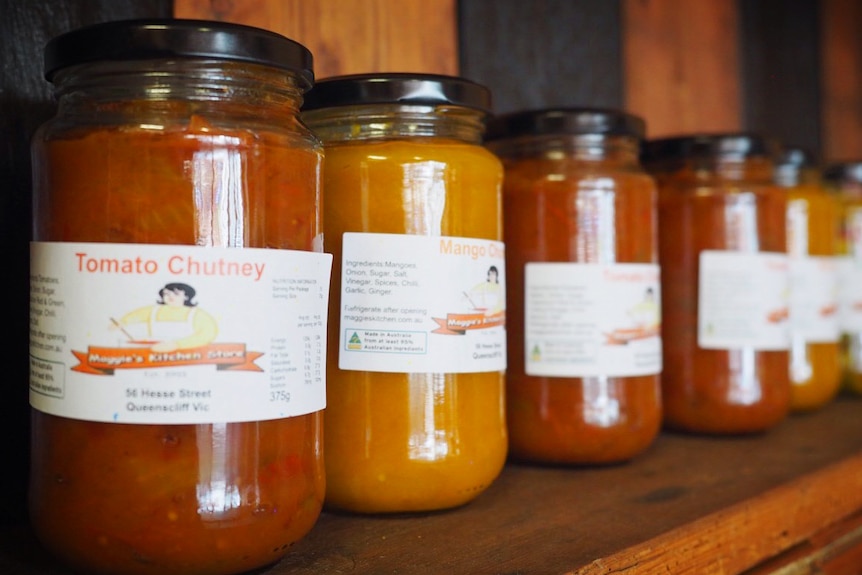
[850,171]
[170,38]
[397,88]
[565,121]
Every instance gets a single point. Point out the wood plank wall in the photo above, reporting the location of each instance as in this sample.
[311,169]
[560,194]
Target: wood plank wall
[789,67]
[351,36]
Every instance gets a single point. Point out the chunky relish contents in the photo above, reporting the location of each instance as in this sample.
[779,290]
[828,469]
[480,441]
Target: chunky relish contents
[213,498]
[722,204]
[577,203]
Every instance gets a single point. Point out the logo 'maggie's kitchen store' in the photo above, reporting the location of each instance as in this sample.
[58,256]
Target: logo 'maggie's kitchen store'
[104,360]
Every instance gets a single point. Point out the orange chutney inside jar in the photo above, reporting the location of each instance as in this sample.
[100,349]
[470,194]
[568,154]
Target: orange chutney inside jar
[815,357]
[209,498]
[575,193]
[409,441]
[844,181]
[399,440]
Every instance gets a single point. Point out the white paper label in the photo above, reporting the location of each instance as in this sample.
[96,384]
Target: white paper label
[814,298]
[585,320]
[422,304]
[850,294]
[134,333]
[743,300]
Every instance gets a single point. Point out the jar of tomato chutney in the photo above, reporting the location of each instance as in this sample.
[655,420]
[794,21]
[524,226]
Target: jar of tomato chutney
[412,214]
[178,301]
[583,301]
[844,182]
[724,284]
[812,241]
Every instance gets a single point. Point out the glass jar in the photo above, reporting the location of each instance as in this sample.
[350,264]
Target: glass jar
[844,180]
[815,359]
[582,384]
[415,417]
[724,284]
[170,437]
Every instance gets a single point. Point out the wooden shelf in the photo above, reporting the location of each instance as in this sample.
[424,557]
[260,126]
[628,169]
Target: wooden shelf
[689,504]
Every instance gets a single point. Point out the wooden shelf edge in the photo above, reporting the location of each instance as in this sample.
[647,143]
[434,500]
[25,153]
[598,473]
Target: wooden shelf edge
[739,537]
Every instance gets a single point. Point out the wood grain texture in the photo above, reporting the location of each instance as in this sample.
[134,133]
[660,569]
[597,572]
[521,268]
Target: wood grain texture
[351,36]
[681,65]
[842,79]
[780,55]
[543,52]
[741,536]
[689,505]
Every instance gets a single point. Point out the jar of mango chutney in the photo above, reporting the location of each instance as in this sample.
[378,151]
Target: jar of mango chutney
[724,284]
[582,384]
[812,236]
[415,417]
[844,181]
[178,301]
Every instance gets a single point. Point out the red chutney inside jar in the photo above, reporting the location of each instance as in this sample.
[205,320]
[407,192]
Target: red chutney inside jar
[168,435]
[722,241]
[582,384]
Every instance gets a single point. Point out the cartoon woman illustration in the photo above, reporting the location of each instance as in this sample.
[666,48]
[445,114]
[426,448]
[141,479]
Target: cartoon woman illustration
[646,315]
[174,322]
[488,295]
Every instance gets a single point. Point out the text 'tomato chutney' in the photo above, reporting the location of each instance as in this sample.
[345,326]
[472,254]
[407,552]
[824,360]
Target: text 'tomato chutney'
[178,301]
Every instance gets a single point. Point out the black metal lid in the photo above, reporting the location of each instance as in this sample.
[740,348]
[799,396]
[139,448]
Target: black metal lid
[565,121]
[796,157]
[167,38]
[844,171]
[704,145]
[790,163]
[397,88]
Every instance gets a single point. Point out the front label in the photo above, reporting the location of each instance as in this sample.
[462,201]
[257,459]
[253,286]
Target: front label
[814,298]
[133,333]
[422,304]
[743,300]
[585,320]
[850,294]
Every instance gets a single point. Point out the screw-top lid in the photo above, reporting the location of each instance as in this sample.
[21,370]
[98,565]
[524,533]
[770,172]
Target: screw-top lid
[565,121]
[176,39]
[844,172]
[704,145]
[397,88]
[795,157]
[790,162]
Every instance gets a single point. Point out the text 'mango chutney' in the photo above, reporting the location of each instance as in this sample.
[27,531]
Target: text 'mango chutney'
[581,252]
[725,283]
[178,307]
[412,214]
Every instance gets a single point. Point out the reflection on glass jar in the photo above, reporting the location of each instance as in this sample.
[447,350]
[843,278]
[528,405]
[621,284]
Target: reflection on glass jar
[165,437]
[845,182]
[815,371]
[415,399]
[722,230]
[583,378]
